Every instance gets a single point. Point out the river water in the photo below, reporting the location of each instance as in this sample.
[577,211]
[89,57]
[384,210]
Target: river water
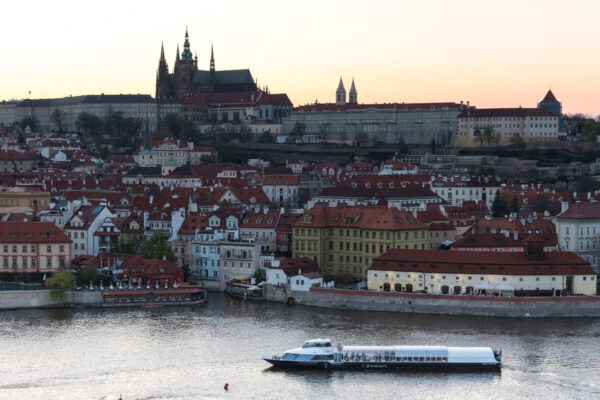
[191,352]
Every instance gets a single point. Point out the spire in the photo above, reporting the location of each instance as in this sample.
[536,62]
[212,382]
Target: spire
[341,86]
[352,95]
[186,55]
[340,93]
[177,57]
[549,98]
[212,58]
[162,51]
[147,138]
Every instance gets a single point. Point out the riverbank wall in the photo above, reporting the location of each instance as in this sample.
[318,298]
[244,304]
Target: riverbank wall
[576,306]
[22,299]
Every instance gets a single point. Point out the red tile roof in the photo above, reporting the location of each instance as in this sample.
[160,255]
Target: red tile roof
[467,262]
[549,98]
[506,112]
[582,211]
[260,219]
[31,232]
[396,106]
[366,217]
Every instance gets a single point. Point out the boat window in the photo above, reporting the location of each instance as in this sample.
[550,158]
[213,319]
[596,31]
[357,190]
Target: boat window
[444,359]
[322,357]
[290,356]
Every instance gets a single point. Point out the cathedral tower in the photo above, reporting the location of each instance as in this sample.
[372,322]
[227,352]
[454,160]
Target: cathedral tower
[163,84]
[352,95]
[340,94]
[185,69]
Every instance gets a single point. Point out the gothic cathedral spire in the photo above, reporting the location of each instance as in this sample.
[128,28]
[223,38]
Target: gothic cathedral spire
[177,56]
[212,58]
[352,95]
[340,94]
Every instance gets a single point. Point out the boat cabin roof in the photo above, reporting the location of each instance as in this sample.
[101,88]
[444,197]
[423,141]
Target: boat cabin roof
[317,343]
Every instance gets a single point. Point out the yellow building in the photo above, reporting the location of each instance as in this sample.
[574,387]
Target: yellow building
[344,239]
[446,272]
[24,199]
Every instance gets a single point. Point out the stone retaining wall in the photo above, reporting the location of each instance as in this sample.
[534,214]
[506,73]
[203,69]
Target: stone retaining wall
[20,299]
[588,306]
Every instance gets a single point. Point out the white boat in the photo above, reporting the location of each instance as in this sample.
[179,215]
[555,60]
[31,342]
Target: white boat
[319,353]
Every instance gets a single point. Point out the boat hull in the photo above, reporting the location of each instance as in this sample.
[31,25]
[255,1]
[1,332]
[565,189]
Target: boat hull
[385,366]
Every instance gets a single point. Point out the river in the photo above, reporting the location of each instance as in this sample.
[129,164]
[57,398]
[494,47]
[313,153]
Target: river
[191,352]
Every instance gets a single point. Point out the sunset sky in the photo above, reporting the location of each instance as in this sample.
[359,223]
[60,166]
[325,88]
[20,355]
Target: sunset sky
[493,53]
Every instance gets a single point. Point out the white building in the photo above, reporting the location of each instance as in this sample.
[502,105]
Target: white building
[282,190]
[82,225]
[578,230]
[240,259]
[296,273]
[457,190]
[505,126]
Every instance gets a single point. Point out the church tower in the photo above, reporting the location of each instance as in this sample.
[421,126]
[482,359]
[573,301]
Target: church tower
[185,69]
[340,94]
[352,96]
[163,84]
[212,59]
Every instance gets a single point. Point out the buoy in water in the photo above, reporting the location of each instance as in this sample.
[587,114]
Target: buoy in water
[226,387]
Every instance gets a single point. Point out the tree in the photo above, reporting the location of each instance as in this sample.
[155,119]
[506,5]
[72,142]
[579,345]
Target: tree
[88,123]
[540,204]
[324,132]
[591,129]
[260,275]
[265,137]
[488,135]
[158,247]
[362,139]
[514,207]
[30,121]
[132,245]
[402,146]
[499,206]
[91,274]
[104,152]
[59,283]
[58,119]
[173,123]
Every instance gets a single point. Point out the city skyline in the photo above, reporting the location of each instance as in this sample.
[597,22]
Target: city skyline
[492,56]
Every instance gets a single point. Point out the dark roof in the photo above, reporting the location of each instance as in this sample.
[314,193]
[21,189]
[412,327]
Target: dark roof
[89,99]
[507,112]
[549,98]
[230,77]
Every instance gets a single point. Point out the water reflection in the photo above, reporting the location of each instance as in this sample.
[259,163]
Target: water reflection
[87,353]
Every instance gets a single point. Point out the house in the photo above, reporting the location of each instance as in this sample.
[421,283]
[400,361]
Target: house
[296,273]
[531,273]
[260,225]
[82,226]
[282,190]
[33,247]
[578,229]
[240,259]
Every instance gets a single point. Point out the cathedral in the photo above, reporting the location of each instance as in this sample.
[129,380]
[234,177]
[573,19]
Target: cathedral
[187,80]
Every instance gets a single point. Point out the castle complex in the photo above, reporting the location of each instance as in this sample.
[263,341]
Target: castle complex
[187,80]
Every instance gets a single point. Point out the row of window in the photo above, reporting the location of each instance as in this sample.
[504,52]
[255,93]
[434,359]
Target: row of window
[32,249]
[481,278]
[24,262]
[359,233]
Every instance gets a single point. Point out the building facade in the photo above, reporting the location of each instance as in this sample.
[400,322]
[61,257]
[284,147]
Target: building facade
[444,272]
[33,247]
[138,106]
[344,240]
[350,122]
[506,126]
[578,230]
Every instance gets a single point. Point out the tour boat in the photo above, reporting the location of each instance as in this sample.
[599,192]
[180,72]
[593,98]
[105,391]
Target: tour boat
[319,353]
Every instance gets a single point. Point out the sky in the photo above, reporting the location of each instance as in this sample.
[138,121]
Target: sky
[491,53]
